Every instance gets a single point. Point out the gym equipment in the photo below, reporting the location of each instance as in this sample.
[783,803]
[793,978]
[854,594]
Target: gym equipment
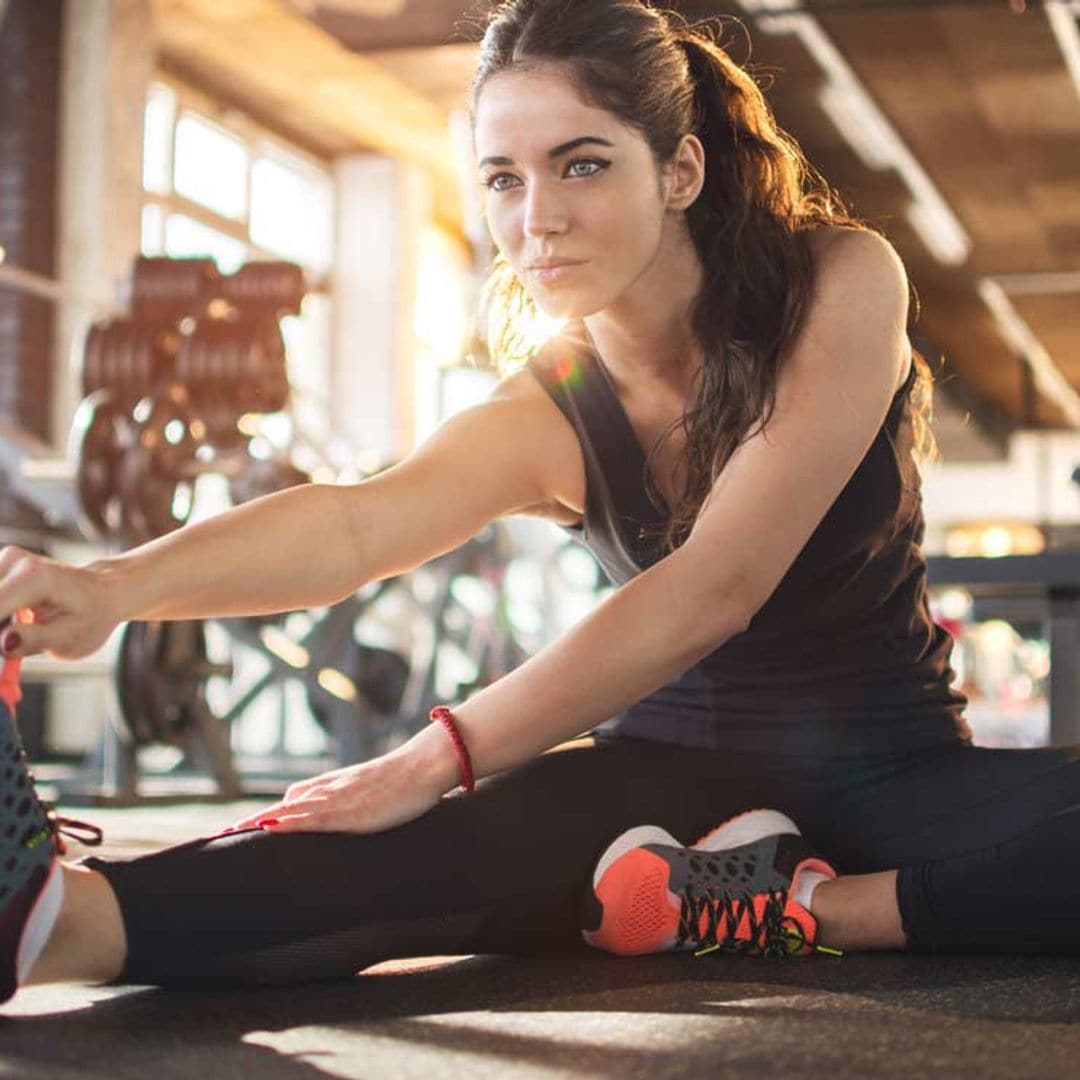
[170,389]
[127,357]
[275,289]
[101,435]
[167,389]
[231,367]
[155,479]
[365,692]
[161,673]
[164,290]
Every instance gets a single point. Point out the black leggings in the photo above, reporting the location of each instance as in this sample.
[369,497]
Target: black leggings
[985,840]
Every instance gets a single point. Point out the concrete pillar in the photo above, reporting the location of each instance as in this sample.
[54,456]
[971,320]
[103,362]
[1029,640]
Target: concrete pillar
[109,55]
[382,206]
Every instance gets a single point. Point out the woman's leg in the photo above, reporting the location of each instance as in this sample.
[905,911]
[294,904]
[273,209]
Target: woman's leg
[859,912]
[977,835]
[1020,896]
[87,942]
[504,870]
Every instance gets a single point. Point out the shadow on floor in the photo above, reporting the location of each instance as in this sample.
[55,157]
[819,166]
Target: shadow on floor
[576,1014]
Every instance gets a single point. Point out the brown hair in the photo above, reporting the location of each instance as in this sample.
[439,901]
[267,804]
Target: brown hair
[666,78]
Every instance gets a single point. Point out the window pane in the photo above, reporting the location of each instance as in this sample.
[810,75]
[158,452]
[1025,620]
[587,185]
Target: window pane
[157,138]
[185,237]
[211,166]
[151,229]
[291,213]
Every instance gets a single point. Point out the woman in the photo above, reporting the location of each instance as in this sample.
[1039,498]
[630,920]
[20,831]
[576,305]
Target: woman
[769,644]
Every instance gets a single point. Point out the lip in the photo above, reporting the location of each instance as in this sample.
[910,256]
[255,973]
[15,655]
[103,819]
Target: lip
[555,270]
[551,264]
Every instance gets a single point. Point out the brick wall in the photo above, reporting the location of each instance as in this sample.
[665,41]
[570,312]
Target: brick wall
[29,126]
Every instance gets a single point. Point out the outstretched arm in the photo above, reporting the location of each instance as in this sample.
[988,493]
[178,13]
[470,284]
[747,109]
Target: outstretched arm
[834,391]
[308,546]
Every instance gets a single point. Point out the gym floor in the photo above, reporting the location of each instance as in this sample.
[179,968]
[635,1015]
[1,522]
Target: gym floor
[577,1016]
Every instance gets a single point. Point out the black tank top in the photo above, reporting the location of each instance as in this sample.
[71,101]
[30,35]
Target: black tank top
[844,657]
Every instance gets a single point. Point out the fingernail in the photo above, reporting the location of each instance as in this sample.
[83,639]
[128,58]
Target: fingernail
[262,823]
[10,642]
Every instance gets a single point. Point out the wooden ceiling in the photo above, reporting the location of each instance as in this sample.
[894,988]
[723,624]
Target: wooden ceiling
[979,95]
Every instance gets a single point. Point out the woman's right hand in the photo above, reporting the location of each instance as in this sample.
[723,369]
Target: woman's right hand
[66,611]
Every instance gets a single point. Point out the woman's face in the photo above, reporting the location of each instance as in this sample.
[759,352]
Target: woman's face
[566,181]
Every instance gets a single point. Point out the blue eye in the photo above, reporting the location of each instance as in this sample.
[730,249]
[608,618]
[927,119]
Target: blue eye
[490,182]
[599,166]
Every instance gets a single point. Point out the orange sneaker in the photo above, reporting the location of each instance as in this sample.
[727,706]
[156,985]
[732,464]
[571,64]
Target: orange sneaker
[732,891]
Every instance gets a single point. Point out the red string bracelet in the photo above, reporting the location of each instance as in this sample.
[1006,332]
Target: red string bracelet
[444,716]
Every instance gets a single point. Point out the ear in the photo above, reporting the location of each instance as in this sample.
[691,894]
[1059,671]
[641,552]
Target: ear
[685,173]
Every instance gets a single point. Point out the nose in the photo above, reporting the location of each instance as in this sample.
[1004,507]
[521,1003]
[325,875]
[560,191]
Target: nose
[544,212]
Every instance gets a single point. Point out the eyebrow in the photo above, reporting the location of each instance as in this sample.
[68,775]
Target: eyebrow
[554,152]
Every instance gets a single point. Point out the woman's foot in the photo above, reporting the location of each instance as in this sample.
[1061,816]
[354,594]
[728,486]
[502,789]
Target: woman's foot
[31,881]
[738,889]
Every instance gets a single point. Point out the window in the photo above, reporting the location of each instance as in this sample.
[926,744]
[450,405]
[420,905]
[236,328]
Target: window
[210,167]
[292,211]
[185,236]
[157,139]
[226,188]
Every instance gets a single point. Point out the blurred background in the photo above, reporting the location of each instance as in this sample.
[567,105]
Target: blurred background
[241,247]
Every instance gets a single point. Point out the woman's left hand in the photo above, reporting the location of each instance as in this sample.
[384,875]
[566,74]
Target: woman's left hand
[365,798]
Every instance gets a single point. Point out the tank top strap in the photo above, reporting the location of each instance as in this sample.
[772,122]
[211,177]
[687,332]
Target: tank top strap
[619,519]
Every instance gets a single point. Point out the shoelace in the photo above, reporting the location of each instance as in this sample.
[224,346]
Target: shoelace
[11,694]
[92,835]
[774,935]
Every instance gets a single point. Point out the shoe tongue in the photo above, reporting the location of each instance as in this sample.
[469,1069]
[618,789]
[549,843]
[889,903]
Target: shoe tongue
[807,879]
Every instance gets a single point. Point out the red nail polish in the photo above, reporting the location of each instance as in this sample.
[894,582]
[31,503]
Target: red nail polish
[263,822]
[10,642]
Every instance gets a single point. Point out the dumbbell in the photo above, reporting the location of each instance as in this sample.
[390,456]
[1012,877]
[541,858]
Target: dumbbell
[266,288]
[127,357]
[164,290]
[233,366]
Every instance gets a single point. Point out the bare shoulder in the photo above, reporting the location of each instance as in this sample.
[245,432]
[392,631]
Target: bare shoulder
[854,254]
[845,243]
[553,441]
[859,276]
